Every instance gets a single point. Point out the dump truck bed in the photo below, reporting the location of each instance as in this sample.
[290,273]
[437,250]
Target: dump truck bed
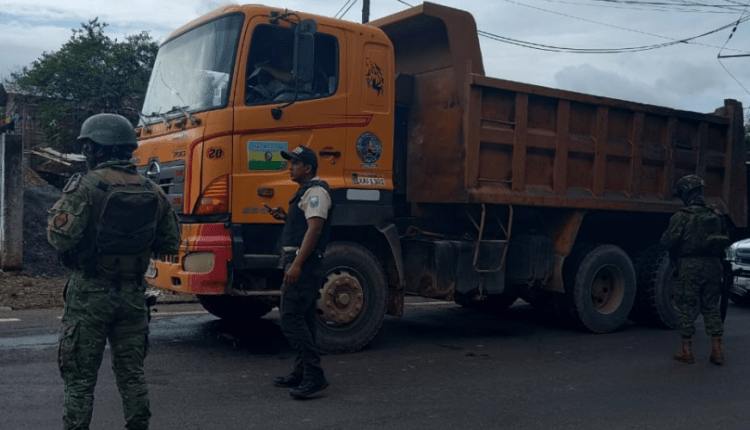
[475,139]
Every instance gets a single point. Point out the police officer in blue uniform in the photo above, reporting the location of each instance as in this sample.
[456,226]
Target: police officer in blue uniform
[304,239]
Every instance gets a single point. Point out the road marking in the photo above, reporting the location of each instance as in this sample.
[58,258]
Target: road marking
[171,314]
[431,304]
[2,320]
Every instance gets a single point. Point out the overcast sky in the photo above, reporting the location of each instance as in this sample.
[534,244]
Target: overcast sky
[684,76]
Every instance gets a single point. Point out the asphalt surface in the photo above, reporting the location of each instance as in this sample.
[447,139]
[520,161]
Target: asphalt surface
[439,367]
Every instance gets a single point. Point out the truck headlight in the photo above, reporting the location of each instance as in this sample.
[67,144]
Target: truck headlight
[200,262]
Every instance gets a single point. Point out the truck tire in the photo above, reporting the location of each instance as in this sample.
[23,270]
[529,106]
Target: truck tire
[353,298]
[234,308]
[654,299]
[599,288]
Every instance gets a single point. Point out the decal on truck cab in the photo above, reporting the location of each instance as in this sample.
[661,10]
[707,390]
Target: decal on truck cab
[262,155]
[374,76]
[369,149]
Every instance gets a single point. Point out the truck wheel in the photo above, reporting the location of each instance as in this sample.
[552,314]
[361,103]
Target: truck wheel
[600,288]
[654,300]
[234,308]
[353,298]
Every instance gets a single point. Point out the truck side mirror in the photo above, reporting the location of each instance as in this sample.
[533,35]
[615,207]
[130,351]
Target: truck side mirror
[304,50]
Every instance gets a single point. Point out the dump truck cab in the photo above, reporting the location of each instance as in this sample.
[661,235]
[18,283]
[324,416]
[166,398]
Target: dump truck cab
[216,118]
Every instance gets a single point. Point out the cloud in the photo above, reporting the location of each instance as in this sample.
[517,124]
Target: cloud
[205,6]
[24,43]
[683,86]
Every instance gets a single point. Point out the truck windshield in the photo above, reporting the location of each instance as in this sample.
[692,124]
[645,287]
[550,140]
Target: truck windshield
[193,71]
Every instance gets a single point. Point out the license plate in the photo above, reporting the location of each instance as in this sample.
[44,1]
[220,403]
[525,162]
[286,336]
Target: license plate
[151,271]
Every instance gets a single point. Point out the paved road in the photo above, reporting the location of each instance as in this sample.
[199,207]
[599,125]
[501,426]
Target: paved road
[439,367]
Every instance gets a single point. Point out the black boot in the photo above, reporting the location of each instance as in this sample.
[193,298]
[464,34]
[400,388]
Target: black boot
[309,387]
[291,380]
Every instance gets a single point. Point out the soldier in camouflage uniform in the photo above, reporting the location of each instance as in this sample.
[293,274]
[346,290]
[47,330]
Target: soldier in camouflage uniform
[696,239]
[105,227]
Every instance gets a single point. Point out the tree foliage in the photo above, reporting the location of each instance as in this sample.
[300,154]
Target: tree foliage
[90,74]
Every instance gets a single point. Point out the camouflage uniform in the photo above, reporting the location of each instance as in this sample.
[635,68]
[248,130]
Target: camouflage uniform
[105,296]
[699,281]
[696,238]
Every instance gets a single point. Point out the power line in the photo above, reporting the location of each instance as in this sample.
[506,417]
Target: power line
[561,49]
[347,9]
[552,48]
[617,26]
[719,56]
[346,6]
[648,6]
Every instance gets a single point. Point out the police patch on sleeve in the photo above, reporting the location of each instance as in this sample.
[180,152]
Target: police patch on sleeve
[314,201]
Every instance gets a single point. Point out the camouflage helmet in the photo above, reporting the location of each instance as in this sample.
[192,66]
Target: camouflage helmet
[108,129]
[688,183]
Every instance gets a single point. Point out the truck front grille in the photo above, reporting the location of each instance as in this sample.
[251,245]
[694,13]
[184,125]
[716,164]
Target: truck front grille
[170,177]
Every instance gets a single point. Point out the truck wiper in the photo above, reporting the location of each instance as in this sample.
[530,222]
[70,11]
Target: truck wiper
[145,124]
[163,118]
[188,115]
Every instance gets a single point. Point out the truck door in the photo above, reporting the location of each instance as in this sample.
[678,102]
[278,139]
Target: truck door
[268,120]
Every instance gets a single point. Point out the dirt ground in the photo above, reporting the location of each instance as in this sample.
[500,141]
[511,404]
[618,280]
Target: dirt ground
[30,292]
[41,282]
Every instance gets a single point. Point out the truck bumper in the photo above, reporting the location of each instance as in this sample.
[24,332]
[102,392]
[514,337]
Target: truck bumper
[201,265]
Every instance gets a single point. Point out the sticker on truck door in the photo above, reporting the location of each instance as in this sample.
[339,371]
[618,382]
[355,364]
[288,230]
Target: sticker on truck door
[369,149]
[263,155]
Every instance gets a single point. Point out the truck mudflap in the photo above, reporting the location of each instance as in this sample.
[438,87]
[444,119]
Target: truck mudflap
[201,265]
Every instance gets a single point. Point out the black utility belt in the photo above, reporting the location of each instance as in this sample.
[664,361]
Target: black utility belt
[699,256]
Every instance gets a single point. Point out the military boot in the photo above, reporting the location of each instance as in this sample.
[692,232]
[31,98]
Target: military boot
[309,387]
[717,351]
[291,380]
[686,356]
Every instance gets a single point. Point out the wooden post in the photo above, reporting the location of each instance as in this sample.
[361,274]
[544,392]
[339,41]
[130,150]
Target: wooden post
[11,202]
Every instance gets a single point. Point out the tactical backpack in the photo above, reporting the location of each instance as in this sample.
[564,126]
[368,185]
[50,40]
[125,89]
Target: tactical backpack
[704,233]
[124,225]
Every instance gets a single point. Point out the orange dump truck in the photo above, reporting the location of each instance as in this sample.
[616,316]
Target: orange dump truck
[448,184]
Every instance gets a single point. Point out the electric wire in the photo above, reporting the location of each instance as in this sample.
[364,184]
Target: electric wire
[553,48]
[561,49]
[723,9]
[718,56]
[347,9]
[346,6]
[611,25]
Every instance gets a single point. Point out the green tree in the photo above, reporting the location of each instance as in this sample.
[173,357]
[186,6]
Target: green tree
[90,74]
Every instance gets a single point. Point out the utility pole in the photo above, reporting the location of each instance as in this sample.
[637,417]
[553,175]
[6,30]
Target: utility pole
[365,11]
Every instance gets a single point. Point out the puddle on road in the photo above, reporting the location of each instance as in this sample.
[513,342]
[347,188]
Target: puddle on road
[29,342]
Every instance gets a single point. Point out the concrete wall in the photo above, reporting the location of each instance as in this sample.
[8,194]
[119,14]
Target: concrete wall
[11,202]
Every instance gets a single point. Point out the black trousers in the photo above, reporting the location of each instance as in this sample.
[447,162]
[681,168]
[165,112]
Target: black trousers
[298,315]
